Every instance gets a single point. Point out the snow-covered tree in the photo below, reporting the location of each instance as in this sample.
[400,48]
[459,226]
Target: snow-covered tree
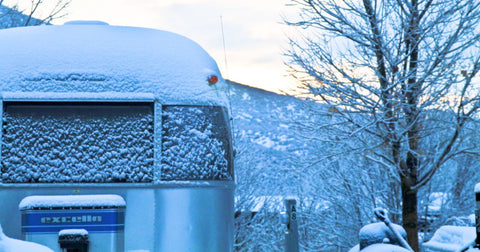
[386,68]
[347,185]
[36,13]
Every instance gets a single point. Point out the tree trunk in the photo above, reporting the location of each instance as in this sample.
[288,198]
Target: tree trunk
[410,213]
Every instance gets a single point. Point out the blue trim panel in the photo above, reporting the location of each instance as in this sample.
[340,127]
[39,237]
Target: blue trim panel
[92,220]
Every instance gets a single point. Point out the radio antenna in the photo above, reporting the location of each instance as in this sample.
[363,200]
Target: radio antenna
[229,97]
[224,50]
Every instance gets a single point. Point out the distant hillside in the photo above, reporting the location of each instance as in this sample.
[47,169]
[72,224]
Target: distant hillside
[13,18]
[267,140]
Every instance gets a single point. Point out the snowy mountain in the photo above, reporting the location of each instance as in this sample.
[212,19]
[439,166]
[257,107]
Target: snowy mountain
[266,138]
[272,150]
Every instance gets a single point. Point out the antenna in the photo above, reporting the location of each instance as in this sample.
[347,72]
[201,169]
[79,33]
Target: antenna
[229,97]
[224,50]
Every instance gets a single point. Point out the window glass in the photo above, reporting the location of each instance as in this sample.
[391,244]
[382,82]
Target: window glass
[77,142]
[196,143]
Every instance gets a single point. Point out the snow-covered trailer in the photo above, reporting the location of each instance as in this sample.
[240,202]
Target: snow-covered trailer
[88,108]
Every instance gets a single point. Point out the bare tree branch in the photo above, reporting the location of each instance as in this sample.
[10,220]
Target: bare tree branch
[389,66]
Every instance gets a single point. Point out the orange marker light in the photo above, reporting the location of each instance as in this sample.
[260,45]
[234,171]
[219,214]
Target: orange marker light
[212,79]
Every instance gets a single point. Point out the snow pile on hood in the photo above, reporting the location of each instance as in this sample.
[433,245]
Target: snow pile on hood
[104,58]
[384,248]
[377,237]
[56,201]
[8,244]
[451,238]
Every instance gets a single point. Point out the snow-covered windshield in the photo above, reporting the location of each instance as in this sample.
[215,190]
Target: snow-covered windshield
[77,142]
[62,142]
[195,143]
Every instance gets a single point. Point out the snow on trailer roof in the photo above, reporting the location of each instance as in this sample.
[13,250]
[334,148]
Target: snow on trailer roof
[68,201]
[95,57]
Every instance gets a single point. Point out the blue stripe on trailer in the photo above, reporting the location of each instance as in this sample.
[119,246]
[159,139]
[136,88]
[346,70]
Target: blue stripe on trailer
[92,220]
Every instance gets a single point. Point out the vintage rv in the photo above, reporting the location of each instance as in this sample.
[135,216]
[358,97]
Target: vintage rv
[136,115]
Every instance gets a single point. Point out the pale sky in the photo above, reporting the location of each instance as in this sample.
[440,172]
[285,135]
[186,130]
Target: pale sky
[255,37]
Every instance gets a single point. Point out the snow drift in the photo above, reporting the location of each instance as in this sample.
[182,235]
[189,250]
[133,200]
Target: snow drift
[8,244]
